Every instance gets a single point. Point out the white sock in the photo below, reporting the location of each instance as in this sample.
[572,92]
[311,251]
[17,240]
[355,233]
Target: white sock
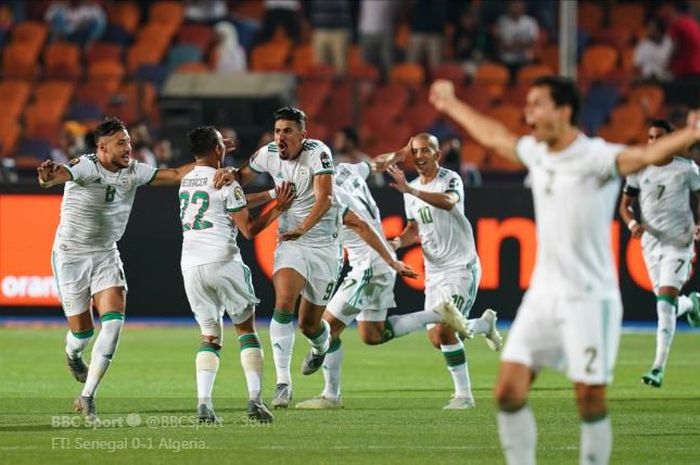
[596,442]
[666,312]
[206,366]
[457,366]
[331,370]
[518,434]
[282,339]
[76,342]
[320,342]
[103,350]
[252,363]
[405,324]
[684,305]
[479,326]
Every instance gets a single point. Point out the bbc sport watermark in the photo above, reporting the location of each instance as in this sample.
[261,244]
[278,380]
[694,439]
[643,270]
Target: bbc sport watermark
[127,443]
[133,420]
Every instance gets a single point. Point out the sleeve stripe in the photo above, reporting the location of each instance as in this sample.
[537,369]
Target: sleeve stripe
[331,171]
[250,165]
[155,173]
[70,172]
[234,210]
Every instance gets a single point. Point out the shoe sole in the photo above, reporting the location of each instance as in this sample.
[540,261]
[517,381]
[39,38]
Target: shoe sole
[452,318]
[494,339]
[650,382]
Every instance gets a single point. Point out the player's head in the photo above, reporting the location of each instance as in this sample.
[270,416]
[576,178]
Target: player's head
[206,141]
[290,131]
[113,142]
[345,140]
[425,153]
[551,107]
[657,129]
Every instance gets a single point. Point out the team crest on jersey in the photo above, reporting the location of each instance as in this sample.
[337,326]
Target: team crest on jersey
[238,194]
[74,161]
[304,172]
[124,182]
[326,162]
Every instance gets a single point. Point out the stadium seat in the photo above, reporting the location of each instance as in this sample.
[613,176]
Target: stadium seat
[58,93]
[154,35]
[198,35]
[270,56]
[106,71]
[62,61]
[168,14]
[410,74]
[493,77]
[421,116]
[454,72]
[103,51]
[363,71]
[303,59]
[509,115]
[9,135]
[529,73]
[142,54]
[14,95]
[31,34]
[649,96]
[549,56]
[590,17]
[627,15]
[392,94]
[19,61]
[478,96]
[598,61]
[473,153]
[126,14]
[95,93]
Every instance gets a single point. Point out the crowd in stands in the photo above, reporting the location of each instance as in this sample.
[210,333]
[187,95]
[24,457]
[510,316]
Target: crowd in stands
[363,67]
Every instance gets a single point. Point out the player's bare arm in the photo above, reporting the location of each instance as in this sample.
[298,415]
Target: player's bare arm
[370,236]
[381,162]
[323,191]
[441,200]
[171,176]
[249,226]
[485,130]
[627,214]
[256,199]
[50,174]
[408,237]
[635,158]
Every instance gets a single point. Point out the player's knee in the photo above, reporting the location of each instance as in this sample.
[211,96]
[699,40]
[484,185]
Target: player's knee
[434,338]
[509,396]
[372,337]
[211,331]
[308,327]
[590,400]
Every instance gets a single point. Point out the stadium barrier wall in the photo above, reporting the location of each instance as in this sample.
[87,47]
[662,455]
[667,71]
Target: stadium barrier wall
[502,219]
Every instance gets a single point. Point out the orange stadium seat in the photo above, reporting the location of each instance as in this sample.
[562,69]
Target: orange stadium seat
[392,94]
[106,70]
[95,92]
[142,54]
[598,61]
[364,71]
[167,14]
[19,61]
[303,59]
[631,115]
[549,56]
[30,33]
[529,73]
[9,134]
[155,35]
[473,153]
[125,14]
[103,51]
[627,15]
[493,77]
[511,116]
[590,17]
[14,95]
[649,96]
[58,93]
[62,61]
[453,71]
[198,35]
[478,96]
[410,74]
[420,116]
[270,56]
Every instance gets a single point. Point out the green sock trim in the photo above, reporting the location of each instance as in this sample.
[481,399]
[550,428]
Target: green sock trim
[455,357]
[249,341]
[112,316]
[335,345]
[595,418]
[83,334]
[388,333]
[281,317]
[209,347]
[667,298]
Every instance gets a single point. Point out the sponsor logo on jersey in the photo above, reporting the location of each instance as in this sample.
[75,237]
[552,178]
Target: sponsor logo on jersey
[326,162]
[74,161]
[238,194]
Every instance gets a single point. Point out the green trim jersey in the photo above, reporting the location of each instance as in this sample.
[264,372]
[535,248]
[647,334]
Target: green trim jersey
[574,193]
[208,234]
[351,192]
[96,204]
[446,235]
[664,199]
[314,160]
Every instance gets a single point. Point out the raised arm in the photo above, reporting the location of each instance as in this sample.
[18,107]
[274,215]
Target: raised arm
[485,130]
[323,191]
[171,176]
[441,200]
[370,236]
[249,226]
[385,160]
[50,174]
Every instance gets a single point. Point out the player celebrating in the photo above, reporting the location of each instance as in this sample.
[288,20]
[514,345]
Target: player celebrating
[97,201]
[570,318]
[668,231]
[308,255]
[216,279]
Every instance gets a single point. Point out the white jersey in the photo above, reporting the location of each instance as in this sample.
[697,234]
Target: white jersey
[314,159]
[574,193]
[446,235]
[664,199]
[352,193]
[208,234]
[96,204]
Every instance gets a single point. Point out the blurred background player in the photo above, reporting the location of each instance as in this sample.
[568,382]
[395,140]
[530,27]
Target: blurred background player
[97,200]
[308,256]
[216,279]
[434,204]
[571,316]
[668,235]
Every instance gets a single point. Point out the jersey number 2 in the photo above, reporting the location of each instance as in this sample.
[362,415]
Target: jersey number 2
[198,222]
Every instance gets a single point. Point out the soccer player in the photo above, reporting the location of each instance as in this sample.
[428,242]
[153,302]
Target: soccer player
[368,290]
[668,232]
[97,201]
[570,317]
[308,258]
[216,279]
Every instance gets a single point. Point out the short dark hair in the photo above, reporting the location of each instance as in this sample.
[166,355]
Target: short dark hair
[351,135]
[203,140]
[109,126]
[563,91]
[290,113]
[663,124]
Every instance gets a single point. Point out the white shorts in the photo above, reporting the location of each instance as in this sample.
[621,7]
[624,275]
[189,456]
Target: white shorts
[319,267]
[575,335]
[215,288]
[80,276]
[667,265]
[459,284]
[363,295]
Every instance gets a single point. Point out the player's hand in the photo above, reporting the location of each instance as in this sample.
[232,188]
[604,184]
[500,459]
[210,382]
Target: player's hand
[637,231]
[404,270]
[284,193]
[404,152]
[395,243]
[400,183]
[229,144]
[47,171]
[224,177]
[291,235]
[696,233]
[442,93]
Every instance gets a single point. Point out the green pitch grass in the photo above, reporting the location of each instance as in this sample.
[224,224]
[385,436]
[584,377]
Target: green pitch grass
[393,395]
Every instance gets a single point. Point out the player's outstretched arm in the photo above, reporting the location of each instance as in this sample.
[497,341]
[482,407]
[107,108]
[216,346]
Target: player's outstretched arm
[381,162]
[441,200]
[370,236]
[635,158]
[323,191]
[50,174]
[249,226]
[486,131]
[627,215]
[408,236]
[256,199]
[171,176]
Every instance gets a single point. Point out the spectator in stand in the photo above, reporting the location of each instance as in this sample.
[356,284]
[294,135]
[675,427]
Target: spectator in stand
[332,23]
[141,143]
[283,14]
[468,41]
[428,21]
[228,54]
[653,53]
[81,22]
[69,146]
[516,34]
[685,58]
[163,152]
[376,30]
[205,11]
